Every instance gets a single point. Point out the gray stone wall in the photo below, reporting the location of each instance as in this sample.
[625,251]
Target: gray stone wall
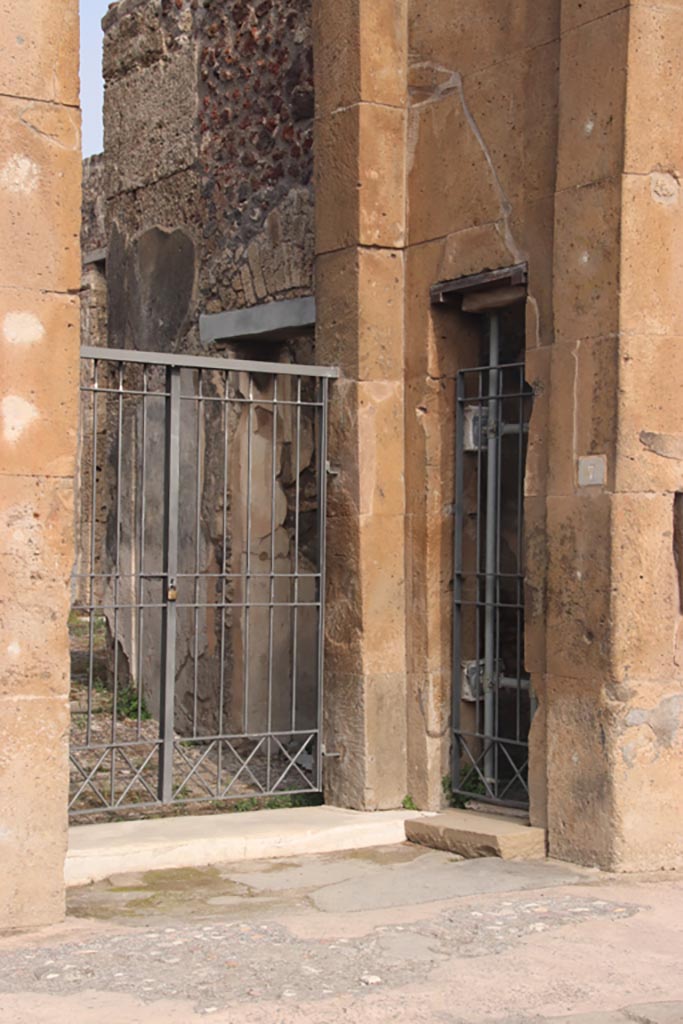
[203,199]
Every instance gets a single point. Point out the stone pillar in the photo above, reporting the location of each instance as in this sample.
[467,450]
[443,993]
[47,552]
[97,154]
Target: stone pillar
[40,168]
[360,142]
[613,697]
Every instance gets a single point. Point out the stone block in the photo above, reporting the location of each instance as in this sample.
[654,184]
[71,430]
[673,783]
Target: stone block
[429,737]
[652,254]
[381,176]
[654,95]
[34,781]
[646,603]
[579,621]
[133,37]
[367,730]
[587,261]
[39,339]
[593,101]
[36,556]
[442,136]
[583,409]
[430,444]
[582,819]
[473,835]
[39,53]
[159,135]
[477,33]
[385,732]
[344,735]
[469,251]
[359,326]
[648,777]
[520,135]
[382,544]
[579,12]
[365,621]
[381,314]
[360,53]
[540,98]
[650,439]
[360,178]
[429,578]
[366,448]
[40,175]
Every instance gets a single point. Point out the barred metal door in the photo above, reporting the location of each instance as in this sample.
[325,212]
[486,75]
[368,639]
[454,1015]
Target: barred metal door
[492,699]
[199,584]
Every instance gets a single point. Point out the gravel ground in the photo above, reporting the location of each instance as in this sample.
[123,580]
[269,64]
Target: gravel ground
[356,937]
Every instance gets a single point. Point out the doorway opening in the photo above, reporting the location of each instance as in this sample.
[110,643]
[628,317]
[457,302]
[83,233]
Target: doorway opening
[493,702]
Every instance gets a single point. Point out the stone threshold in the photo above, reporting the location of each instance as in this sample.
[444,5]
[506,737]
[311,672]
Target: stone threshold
[473,834]
[100,851]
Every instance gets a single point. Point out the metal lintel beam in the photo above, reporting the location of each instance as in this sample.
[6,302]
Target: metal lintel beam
[269,321]
[452,292]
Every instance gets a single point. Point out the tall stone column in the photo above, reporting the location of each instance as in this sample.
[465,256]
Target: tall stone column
[613,696]
[40,174]
[360,141]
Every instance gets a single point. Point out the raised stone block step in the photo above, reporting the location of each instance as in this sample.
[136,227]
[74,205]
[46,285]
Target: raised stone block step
[471,835]
[101,850]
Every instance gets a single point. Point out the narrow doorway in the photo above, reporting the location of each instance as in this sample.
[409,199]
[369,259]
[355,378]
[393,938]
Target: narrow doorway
[493,702]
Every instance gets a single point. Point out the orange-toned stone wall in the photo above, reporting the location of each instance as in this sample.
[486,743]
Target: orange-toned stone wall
[360,153]
[614,686]
[482,143]
[40,174]
[453,139]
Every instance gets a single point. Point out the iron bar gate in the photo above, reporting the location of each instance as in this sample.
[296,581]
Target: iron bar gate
[492,699]
[198,590]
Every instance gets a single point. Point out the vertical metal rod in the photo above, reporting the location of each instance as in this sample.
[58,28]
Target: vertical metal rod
[322,552]
[169,614]
[141,549]
[117,572]
[519,590]
[93,519]
[199,409]
[490,555]
[497,645]
[273,485]
[247,582]
[479,725]
[224,570]
[458,576]
[297,500]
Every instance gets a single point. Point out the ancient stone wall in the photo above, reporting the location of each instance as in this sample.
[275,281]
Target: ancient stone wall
[208,145]
[207,195]
[39,317]
[475,136]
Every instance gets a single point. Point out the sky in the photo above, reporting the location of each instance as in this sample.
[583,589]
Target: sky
[92,12]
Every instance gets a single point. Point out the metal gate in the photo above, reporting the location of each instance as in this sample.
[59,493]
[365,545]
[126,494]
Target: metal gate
[492,699]
[199,584]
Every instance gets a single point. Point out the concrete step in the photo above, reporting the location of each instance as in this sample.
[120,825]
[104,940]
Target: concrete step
[99,851]
[471,835]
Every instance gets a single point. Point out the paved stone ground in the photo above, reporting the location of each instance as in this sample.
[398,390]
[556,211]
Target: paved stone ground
[399,934]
